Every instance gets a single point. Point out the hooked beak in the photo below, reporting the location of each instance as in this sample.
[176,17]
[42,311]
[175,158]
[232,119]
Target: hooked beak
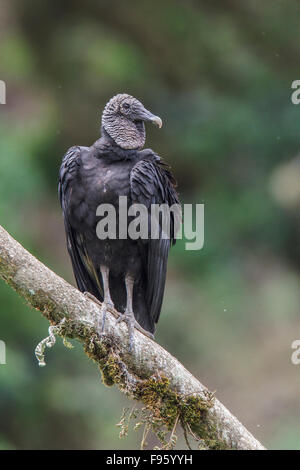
[146,116]
[157,121]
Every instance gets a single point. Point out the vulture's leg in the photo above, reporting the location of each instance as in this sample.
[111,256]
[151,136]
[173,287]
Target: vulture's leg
[128,315]
[107,302]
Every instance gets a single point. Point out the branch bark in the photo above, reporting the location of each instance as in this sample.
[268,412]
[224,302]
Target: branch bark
[149,373]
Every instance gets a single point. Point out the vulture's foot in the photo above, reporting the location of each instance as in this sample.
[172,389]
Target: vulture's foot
[104,306]
[128,317]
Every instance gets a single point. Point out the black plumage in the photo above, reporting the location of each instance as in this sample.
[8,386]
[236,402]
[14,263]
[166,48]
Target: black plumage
[129,274]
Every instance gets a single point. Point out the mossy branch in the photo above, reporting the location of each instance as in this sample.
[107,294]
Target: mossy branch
[148,374]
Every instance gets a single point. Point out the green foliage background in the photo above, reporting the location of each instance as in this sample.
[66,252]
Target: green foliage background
[219,74]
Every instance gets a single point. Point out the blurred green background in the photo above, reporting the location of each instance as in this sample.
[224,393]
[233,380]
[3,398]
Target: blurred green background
[219,74]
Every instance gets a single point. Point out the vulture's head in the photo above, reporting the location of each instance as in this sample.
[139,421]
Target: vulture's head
[123,119]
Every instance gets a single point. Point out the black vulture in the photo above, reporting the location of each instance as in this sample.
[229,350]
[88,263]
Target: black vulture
[127,274]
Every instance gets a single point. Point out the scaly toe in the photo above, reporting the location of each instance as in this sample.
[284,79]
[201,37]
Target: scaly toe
[141,329]
[121,318]
[128,318]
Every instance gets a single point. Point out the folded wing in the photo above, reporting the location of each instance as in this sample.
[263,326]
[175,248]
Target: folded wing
[152,183]
[86,276]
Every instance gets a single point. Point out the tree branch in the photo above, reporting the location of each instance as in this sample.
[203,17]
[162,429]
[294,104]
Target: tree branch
[149,374]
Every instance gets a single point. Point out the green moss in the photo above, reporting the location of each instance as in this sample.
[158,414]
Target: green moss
[194,409]
[158,397]
[110,371]
[151,391]
[107,361]
[168,405]
[93,347]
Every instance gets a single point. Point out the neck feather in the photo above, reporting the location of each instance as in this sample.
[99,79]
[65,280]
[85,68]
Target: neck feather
[126,133]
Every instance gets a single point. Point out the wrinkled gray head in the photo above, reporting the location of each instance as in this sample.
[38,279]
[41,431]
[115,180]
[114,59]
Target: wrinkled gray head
[123,119]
